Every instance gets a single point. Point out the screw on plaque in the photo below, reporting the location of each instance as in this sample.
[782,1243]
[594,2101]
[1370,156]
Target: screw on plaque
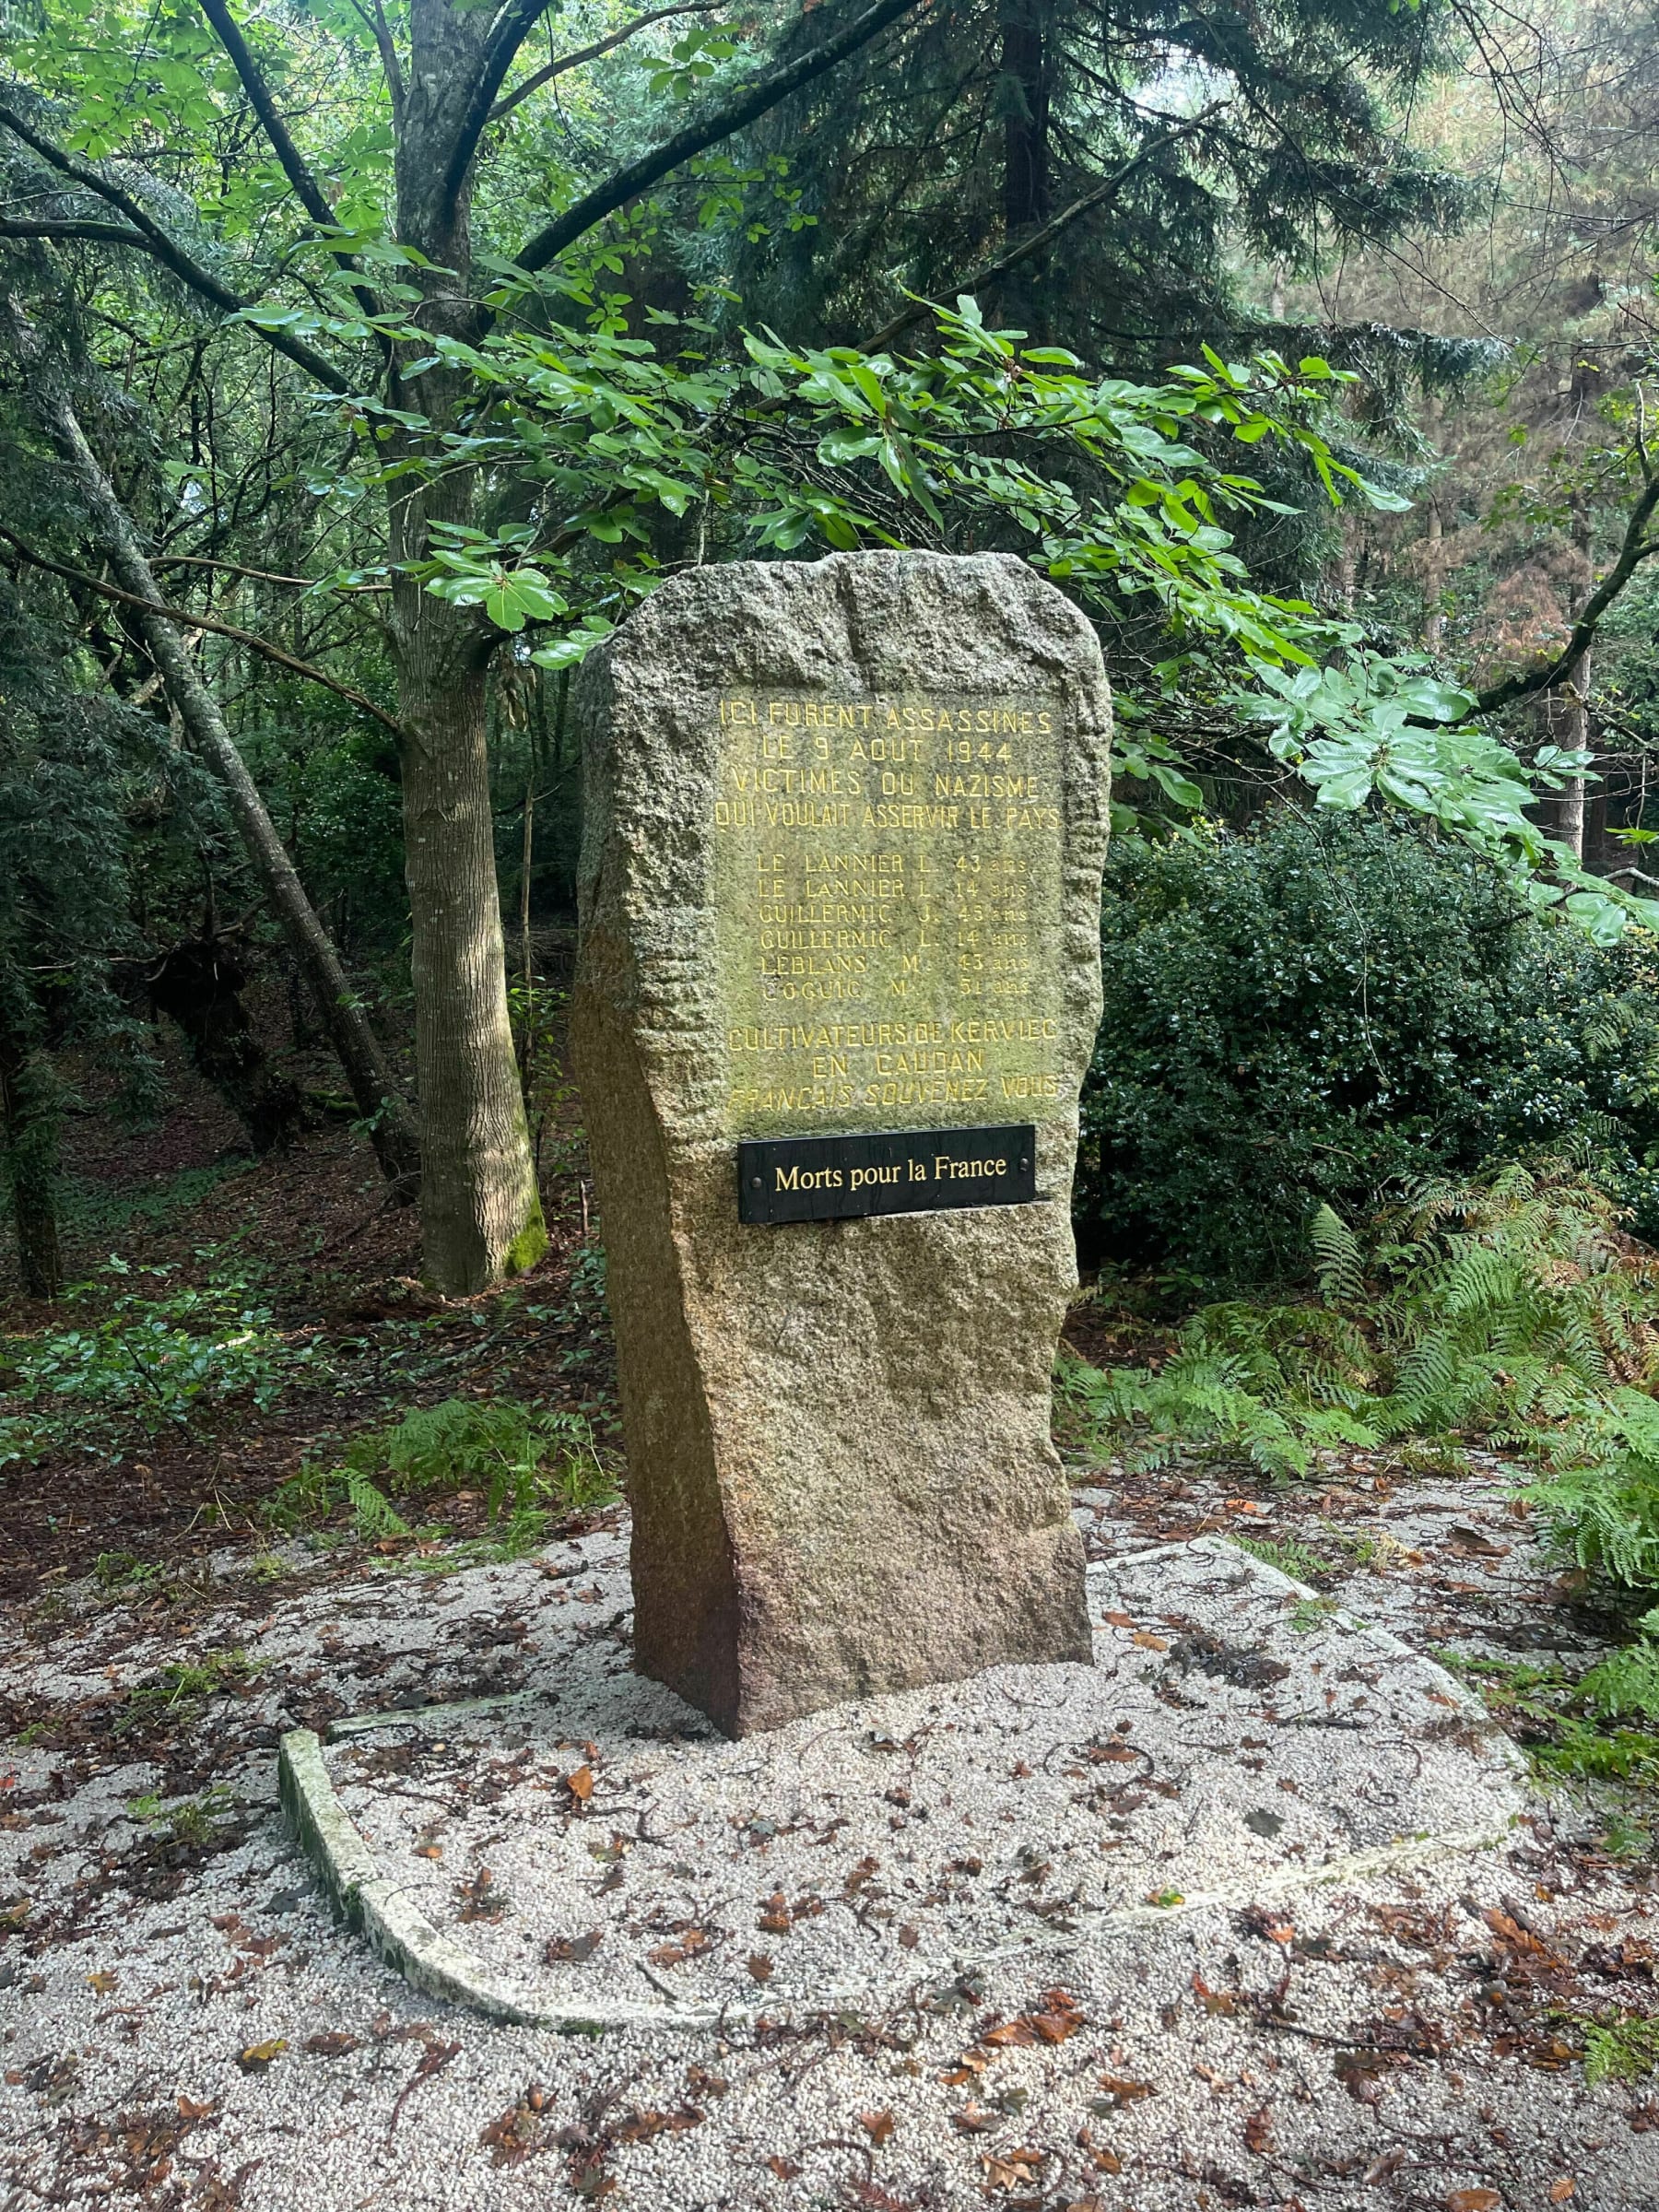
[755,1182]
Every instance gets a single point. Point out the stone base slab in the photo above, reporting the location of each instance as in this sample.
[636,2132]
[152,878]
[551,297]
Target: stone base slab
[591,1854]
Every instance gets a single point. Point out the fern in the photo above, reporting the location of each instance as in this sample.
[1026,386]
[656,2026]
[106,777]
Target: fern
[1512,1308]
[1621,2050]
[529,1465]
[1628,1680]
[1337,1259]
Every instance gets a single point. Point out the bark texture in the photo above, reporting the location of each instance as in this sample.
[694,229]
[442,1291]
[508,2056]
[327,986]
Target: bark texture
[480,1214]
[29,1127]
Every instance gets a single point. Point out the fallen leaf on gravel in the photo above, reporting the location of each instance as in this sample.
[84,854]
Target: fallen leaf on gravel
[479,1899]
[785,2169]
[104,1982]
[12,1916]
[1124,2091]
[580,1785]
[973,2119]
[879,2126]
[775,1915]
[1560,2190]
[1099,2157]
[1062,2016]
[639,2127]
[433,2060]
[428,1851]
[1014,2169]
[1258,2134]
[579,1950]
[1146,1642]
[759,1966]
[909,1937]
[675,1954]
[1118,1621]
[1463,1538]
[258,2056]
[1223,2001]
[334,2042]
[513,2137]
[1473,2200]
[190,2112]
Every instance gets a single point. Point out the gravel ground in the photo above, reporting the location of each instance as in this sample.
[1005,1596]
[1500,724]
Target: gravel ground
[596,1843]
[182,2025]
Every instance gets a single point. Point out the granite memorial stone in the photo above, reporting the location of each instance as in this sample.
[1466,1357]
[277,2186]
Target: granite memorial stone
[838,982]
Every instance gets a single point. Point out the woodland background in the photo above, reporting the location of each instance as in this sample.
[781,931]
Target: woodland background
[362,365]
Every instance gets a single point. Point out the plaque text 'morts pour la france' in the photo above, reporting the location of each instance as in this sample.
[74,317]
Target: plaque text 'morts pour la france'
[840,889]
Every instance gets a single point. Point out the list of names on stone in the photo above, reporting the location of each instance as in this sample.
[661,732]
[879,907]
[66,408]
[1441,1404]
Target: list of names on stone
[888,890]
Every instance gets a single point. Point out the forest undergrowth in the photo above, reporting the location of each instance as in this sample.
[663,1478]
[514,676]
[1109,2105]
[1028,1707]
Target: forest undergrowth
[1508,1313]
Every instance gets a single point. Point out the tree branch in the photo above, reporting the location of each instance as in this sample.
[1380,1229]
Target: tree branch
[161,247]
[105,234]
[306,188]
[591,54]
[716,124]
[1632,552]
[517,19]
[193,622]
[1038,239]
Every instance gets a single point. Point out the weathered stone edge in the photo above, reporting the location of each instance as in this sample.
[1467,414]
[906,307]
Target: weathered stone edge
[1507,1752]
[402,1937]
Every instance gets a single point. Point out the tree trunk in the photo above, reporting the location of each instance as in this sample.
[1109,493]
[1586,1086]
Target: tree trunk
[29,1128]
[389,1124]
[1434,581]
[1567,709]
[480,1212]
[1024,96]
[1567,724]
[198,985]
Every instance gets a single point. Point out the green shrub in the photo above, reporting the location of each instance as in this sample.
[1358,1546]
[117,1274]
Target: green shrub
[1326,1010]
[529,1465]
[148,1360]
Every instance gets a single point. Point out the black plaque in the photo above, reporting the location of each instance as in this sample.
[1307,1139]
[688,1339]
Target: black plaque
[885,1171]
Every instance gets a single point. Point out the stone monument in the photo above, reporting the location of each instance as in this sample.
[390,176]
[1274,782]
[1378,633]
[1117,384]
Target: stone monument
[837,983]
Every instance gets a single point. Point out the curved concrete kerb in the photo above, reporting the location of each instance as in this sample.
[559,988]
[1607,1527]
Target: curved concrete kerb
[1237,1740]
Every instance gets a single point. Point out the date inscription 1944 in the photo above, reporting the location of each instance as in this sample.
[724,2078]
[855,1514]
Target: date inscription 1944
[888,897]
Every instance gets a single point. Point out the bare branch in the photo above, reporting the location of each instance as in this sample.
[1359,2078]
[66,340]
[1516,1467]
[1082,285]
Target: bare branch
[390,66]
[306,188]
[566,62]
[514,27]
[1038,239]
[194,621]
[168,252]
[708,129]
[1632,552]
